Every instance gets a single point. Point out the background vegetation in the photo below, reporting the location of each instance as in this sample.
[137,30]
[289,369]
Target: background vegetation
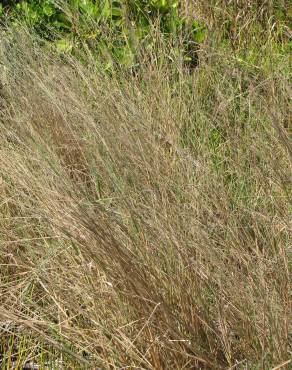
[145,185]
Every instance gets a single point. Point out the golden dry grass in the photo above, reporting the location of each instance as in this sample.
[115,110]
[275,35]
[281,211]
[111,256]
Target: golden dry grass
[145,221]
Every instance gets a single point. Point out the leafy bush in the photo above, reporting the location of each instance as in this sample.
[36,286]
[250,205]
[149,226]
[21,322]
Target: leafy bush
[73,23]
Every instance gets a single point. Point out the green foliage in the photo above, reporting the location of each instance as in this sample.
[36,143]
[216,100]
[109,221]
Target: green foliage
[75,22]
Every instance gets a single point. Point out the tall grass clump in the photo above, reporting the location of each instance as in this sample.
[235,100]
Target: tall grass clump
[145,218]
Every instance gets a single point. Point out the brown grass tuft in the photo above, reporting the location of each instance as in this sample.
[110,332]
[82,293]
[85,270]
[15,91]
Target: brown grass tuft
[145,221]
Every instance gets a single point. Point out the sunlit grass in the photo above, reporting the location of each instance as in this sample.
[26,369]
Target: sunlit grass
[145,220]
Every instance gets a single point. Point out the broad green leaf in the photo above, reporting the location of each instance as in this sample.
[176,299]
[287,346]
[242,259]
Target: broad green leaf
[117,12]
[64,45]
[48,10]
[105,10]
[159,4]
[199,31]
